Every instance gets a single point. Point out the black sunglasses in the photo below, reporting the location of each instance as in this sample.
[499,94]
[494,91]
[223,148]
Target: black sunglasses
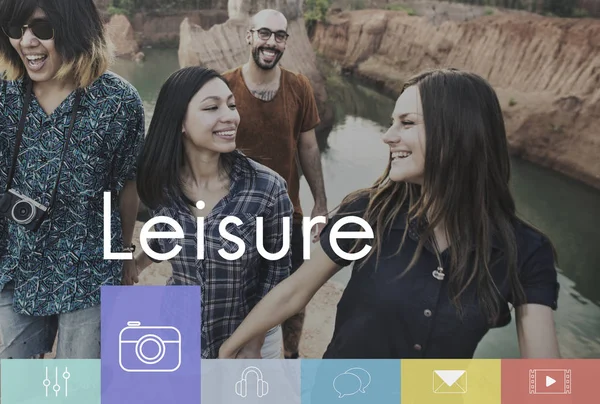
[265,34]
[41,29]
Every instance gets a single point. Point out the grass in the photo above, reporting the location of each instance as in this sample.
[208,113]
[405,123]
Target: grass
[399,7]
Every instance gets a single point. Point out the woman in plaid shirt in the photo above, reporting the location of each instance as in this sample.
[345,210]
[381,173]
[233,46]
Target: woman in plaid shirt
[190,169]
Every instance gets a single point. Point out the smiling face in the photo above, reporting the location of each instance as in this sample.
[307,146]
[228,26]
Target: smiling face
[40,57]
[266,52]
[406,138]
[212,119]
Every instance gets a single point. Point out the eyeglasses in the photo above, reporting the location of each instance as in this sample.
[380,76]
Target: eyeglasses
[41,29]
[265,34]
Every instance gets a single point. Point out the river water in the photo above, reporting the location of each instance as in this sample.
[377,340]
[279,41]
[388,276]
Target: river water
[353,157]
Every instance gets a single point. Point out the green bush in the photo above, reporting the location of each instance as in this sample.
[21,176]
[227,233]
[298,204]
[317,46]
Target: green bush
[581,13]
[315,11]
[125,7]
[115,10]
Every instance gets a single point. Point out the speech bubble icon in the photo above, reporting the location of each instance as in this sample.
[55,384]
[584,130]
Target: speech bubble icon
[363,375]
[346,384]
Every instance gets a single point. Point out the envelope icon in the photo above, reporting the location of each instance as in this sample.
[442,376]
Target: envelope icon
[450,381]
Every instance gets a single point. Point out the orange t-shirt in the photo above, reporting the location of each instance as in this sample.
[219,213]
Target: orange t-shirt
[269,130]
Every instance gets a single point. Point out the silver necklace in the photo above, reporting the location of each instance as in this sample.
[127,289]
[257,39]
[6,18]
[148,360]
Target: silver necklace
[438,273]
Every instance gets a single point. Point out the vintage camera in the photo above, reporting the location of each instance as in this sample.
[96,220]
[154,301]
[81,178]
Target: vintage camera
[22,210]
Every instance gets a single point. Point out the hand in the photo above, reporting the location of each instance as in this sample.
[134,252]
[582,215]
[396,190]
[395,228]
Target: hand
[250,351]
[226,353]
[318,210]
[130,273]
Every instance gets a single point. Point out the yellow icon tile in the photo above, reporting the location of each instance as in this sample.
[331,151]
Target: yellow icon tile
[451,381]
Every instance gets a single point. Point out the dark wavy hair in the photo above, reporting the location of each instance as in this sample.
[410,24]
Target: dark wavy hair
[160,163]
[466,186]
[79,37]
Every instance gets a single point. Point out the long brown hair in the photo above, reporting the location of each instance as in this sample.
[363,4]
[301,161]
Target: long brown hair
[465,187]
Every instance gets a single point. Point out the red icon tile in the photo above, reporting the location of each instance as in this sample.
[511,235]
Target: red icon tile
[550,381]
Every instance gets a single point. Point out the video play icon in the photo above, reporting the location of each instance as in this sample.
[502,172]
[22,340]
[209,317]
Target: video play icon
[549,381]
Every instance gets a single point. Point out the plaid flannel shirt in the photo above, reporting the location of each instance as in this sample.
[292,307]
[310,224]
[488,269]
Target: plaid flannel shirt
[230,289]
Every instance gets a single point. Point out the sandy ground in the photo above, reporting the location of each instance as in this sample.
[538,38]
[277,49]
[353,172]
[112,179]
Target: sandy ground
[320,312]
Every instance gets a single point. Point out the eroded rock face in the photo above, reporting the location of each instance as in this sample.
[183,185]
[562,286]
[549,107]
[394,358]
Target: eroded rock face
[122,36]
[162,29]
[546,72]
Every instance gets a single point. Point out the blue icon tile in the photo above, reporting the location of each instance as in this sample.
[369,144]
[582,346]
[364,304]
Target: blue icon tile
[350,381]
[150,344]
[248,381]
[51,381]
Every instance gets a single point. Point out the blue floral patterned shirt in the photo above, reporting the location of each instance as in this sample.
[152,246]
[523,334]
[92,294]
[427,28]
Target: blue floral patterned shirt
[61,267]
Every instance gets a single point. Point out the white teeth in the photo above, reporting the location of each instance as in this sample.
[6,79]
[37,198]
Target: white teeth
[268,53]
[228,133]
[36,57]
[400,155]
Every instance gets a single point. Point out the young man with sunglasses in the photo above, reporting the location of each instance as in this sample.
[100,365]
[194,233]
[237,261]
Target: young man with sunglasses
[278,115]
[69,132]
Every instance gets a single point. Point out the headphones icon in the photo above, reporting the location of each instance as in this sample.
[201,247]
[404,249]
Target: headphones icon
[241,387]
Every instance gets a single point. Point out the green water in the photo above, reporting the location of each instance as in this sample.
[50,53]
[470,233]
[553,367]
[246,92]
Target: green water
[563,208]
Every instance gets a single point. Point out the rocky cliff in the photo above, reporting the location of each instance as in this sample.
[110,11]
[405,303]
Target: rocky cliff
[161,29]
[122,36]
[223,46]
[546,72]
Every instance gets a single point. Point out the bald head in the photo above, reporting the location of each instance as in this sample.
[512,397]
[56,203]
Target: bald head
[268,38]
[267,17]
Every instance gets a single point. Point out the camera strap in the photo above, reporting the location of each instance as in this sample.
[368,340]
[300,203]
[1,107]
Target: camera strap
[20,129]
[20,135]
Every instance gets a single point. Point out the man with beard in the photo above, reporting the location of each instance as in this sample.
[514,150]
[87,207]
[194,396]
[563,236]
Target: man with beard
[278,115]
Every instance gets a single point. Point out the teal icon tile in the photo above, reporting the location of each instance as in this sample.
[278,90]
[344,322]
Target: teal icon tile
[50,381]
[350,381]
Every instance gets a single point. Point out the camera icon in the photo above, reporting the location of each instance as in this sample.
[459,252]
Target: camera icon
[149,348]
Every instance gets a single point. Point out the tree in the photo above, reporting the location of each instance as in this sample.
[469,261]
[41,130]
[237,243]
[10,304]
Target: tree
[560,8]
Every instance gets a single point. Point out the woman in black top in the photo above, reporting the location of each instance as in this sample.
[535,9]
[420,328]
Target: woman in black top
[447,253]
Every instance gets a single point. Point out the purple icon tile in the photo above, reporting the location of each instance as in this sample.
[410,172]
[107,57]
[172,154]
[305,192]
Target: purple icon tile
[151,344]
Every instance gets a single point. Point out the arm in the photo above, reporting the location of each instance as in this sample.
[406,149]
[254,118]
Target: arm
[294,293]
[309,155]
[534,317]
[143,260]
[129,204]
[285,300]
[125,172]
[536,332]
[310,161]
